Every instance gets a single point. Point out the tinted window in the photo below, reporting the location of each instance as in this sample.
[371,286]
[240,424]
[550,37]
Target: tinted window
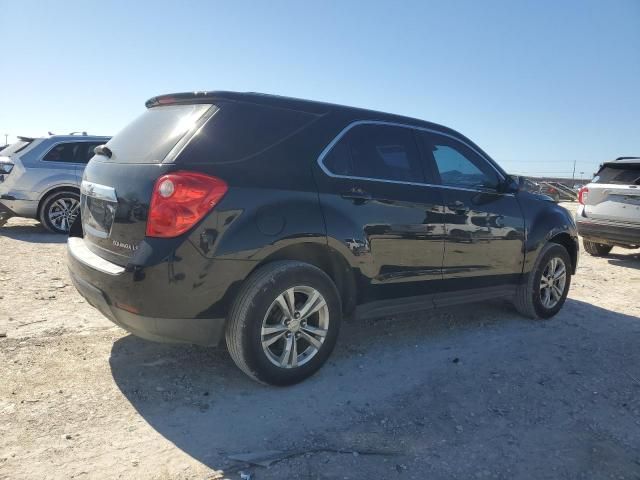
[65,152]
[241,131]
[85,151]
[458,165]
[150,137]
[628,174]
[377,151]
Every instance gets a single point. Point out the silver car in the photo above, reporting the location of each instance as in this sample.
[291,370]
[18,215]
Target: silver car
[40,178]
[609,211]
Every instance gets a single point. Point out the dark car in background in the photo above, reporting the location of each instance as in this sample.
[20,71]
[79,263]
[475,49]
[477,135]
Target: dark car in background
[263,220]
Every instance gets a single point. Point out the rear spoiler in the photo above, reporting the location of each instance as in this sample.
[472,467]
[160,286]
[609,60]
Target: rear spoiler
[622,160]
[25,139]
[180,99]
[275,101]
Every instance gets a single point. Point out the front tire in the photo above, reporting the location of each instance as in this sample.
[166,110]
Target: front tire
[59,210]
[597,249]
[547,285]
[284,323]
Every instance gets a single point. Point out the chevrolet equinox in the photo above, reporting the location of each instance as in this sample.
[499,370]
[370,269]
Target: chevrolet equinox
[264,220]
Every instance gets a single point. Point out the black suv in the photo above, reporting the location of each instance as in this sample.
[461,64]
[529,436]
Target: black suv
[265,220]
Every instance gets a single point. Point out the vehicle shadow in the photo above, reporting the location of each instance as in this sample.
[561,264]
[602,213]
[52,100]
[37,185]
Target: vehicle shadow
[629,261]
[202,403]
[31,233]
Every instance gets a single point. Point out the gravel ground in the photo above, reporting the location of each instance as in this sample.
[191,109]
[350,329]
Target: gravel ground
[467,392]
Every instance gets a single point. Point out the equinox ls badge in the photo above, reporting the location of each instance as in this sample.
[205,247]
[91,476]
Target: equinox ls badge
[125,245]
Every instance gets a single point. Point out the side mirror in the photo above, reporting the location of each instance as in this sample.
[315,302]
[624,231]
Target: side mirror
[513,184]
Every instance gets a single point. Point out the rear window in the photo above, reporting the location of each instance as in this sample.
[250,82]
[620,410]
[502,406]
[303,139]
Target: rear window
[15,148]
[622,174]
[150,137]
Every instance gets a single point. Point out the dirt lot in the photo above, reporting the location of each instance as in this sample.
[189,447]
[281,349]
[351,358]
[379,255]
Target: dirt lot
[468,392]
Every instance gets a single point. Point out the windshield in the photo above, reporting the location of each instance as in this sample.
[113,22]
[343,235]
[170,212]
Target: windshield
[150,137]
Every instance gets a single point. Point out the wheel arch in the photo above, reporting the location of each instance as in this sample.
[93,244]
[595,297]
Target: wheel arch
[550,223]
[53,191]
[326,259]
[565,239]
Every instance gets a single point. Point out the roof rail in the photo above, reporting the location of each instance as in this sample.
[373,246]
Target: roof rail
[627,158]
[79,133]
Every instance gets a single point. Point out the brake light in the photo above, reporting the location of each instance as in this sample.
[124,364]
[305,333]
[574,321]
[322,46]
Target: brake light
[180,200]
[583,194]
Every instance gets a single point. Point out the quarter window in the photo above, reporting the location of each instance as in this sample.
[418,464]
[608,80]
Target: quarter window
[85,151]
[458,165]
[377,151]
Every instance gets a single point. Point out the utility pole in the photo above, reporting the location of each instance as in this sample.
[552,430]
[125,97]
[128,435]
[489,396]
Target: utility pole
[6,139]
[573,175]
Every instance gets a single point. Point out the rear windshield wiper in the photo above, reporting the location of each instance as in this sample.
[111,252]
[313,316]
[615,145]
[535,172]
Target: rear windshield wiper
[103,150]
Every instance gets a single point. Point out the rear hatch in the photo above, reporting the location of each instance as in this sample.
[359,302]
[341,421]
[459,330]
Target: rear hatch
[10,166]
[614,193]
[118,181]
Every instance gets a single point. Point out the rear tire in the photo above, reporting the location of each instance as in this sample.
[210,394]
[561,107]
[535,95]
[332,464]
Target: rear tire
[597,249]
[274,342]
[59,210]
[537,297]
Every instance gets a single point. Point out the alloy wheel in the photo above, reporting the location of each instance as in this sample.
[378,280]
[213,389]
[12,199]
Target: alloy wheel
[295,327]
[553,282]
[63,212]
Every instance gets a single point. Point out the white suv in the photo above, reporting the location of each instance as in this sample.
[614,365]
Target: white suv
[609,211]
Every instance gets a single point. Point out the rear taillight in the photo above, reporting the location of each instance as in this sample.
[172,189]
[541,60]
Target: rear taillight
[6,167]
[583,193]
[180,200]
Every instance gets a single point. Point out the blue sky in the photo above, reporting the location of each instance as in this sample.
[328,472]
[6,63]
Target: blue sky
[537,84]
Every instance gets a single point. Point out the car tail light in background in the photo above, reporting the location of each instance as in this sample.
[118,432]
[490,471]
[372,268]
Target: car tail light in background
[583,193]
[5,167]
[180,200]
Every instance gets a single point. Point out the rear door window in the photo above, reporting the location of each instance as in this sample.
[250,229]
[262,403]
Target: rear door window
[150,137]
[377,152]
[64,152]
[622,174]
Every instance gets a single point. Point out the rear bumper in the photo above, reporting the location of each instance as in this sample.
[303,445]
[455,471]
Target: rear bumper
[609,234]
[90,272]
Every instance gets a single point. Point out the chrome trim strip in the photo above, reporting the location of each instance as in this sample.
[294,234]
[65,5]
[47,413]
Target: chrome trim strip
[95,190]
[79,251]
[343,132]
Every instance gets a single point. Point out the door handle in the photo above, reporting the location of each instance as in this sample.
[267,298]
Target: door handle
[458,207]
[357,195]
